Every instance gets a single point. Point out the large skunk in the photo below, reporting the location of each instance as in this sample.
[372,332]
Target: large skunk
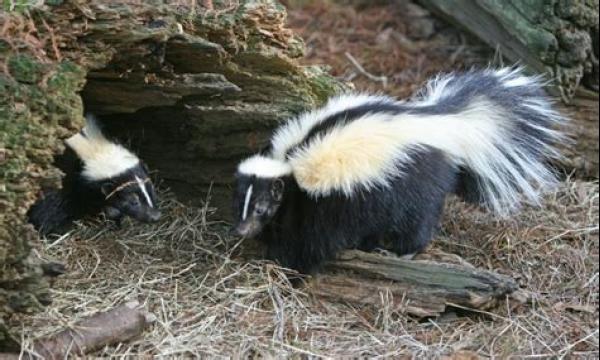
[106,177]
[366,168]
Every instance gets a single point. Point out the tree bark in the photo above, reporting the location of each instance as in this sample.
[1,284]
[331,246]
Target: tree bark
[424,287]
[554,37]
[581,154]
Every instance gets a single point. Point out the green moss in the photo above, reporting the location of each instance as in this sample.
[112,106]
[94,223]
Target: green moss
[25,69]
[20,6]
[34,116]
[67,79]
[322,84]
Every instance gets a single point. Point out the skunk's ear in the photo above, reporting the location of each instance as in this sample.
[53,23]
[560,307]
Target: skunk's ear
[277,188]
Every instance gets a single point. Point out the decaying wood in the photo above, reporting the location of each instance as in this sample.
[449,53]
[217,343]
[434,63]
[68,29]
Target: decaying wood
[582,154]
[114,326]
[423,287]
[547,36]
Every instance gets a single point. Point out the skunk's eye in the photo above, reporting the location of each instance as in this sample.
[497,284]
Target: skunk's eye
[260,211]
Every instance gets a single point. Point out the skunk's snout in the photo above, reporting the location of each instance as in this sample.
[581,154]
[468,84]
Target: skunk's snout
[247,229]
[239,230]
[146,215]
[242,229]
[154,215]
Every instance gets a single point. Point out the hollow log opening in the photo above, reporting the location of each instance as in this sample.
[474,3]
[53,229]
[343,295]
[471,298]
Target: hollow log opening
[192,106]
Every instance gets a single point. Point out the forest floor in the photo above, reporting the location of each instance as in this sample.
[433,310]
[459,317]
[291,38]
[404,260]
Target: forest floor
[211,303]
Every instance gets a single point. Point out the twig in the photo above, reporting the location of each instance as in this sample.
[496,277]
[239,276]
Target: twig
[361,69]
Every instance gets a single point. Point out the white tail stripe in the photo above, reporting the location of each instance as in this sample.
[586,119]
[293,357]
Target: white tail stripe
[144,191]
[102,159]
[247,202]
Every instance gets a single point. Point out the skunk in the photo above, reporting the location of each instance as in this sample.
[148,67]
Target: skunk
[364,168]
[106,177]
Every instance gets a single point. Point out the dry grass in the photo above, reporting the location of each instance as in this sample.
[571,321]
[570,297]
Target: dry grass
[210,303]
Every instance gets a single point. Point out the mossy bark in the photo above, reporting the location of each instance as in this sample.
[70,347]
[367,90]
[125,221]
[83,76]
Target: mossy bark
[558,38]
[38,106]
[205,86]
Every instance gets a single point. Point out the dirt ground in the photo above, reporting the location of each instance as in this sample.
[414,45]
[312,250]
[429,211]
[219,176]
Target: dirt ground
[210,303]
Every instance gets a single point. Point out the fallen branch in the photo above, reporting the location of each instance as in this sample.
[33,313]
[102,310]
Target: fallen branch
[382,79]
[423,287]
[114,326]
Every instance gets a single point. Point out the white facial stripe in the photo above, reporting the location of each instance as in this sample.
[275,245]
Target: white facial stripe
[247,202]
[144,191]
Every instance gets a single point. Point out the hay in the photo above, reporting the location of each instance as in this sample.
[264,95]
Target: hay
[210,303]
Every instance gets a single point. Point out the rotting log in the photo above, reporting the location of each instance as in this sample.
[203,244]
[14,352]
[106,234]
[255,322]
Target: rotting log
[581,154]
[199,89]
[424,287]
[118,325]
[194,104]
[555,37]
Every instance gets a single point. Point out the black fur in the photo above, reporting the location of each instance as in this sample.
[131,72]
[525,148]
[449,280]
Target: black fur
[79,197]
[305,231]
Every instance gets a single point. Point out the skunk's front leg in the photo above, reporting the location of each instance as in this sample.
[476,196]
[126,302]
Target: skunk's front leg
[115,215]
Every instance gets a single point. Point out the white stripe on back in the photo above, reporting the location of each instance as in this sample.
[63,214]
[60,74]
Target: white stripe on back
[144,191]
[247,202]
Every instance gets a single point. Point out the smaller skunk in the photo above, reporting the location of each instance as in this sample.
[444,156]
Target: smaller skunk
[107,177]
[364,169]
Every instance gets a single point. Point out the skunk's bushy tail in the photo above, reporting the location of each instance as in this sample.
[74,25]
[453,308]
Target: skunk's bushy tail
[513,130]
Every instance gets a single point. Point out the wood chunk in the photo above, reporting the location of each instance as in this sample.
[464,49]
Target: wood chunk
[422,288]
[114,326]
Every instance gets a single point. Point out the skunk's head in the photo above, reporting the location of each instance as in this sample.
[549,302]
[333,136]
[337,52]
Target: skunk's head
[119,175]
[130,194]
[259,192]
